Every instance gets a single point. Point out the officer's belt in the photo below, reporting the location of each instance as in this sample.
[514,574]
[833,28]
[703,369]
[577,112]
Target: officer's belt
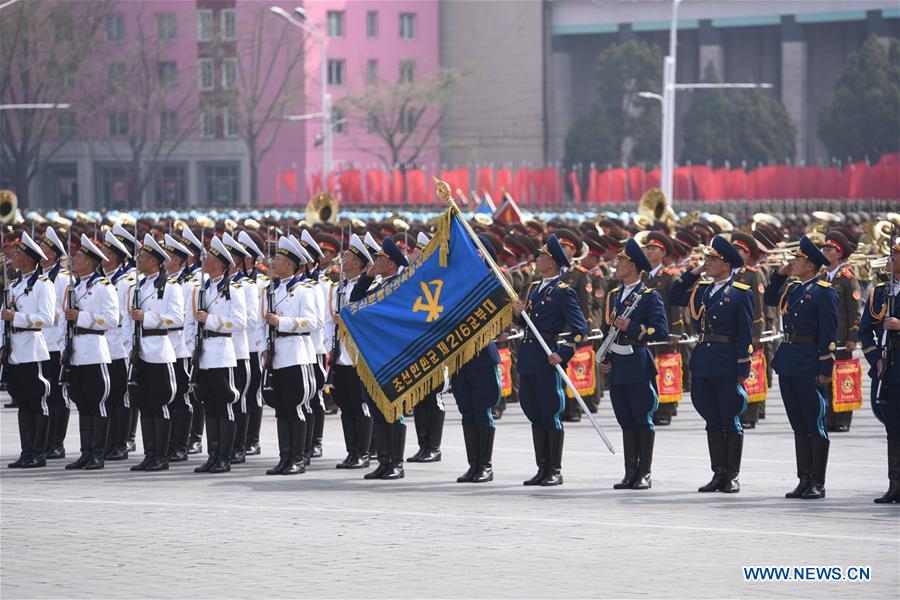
[22,329]
[550,338]
[215,334]
[159,332]
[793,338]
[715,338]
[282,334]
[86,331]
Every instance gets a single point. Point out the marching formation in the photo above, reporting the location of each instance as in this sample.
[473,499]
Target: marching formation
[187,329]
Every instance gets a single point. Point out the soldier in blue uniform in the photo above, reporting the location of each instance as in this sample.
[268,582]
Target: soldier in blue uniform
[476,388]
[553,307]
[722,311]
[805,359]
[630,368]
[875,323]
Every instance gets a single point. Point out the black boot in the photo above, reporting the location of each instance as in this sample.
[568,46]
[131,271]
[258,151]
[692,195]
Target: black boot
[318,429]
[254,423]
[363,440]
[750,417]
[485,471]
[298,440]
[816,487]
[118,431]
[420,418]
[432,451]
[39,449]
[348,425]
[162,429]
[99,431]
[380,446]
[240,436]
[212,445]
[195,441]
[631,449]
[56,433]
[718,459]
[149,441]
[646,438]
[541,447]
[283,427]
[132,429]
[803,452]
[893,493]
[84,434]
[112,415]
[396,447]
[734,448]
[26,439]
[226,444]
[470,437]
[181,429]
[310,430]
[554,453]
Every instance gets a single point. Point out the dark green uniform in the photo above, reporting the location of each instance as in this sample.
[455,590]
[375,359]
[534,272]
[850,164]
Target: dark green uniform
[755,278]
[849,294]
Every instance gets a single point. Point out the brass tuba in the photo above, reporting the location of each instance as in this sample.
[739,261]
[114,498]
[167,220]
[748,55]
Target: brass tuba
[654,206]
[9,206]
[322,208]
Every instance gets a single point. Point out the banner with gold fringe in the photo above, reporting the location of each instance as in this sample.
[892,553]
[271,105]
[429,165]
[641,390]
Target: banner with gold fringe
[668,377]
[756,386]
[505,371]
[581,371]
[846,385]
[439,312]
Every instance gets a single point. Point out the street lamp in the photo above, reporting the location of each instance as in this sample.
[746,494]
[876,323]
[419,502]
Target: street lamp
[38,105]
[299,23]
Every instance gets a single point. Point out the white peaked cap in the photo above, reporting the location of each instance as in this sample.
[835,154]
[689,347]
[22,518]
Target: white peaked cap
[170,244]
[120,232]
[88,247]
[359,249]
[152,246]
[233,244]
[112,242]
[371,243]
[309,242]
[188,236]
[218,249]
[51,236]
[248,244]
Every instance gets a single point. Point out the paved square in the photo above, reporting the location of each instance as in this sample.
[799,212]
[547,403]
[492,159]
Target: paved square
[328,533]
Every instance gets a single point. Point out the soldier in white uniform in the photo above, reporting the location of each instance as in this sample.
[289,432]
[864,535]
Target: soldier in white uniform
[156,307]
[95,311]
[241,343]
[290,384]
[344,385]
[31,309]
[118,405]
[219,306]
[54,336]
[256,337]
[181,408]
[133,245]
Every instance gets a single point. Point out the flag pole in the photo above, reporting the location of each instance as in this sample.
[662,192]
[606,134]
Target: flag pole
[446,195]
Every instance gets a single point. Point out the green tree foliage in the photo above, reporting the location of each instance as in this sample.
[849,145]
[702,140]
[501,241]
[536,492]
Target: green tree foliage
[863,117]
[707,124]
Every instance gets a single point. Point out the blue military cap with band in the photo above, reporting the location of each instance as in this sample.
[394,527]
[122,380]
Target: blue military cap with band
[556,252]
[633,252]
[723,250]
[390,249]
[811,252]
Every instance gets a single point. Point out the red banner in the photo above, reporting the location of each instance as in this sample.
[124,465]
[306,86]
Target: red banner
[581,371]
[505,371]
[668,379]
[756,385]
[846,385]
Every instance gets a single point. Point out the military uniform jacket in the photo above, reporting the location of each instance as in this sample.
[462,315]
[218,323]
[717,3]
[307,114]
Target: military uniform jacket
[323,290]
[162,301]
[578,278]
[849,300]
[558,317]
[871,330]
[256,336]
[183,338]
[34,300]
[648,324]
[340,298]
[55,335]
[120,337]
[224,301]
[295,305]
[239,337]
[809,312]
[489,357]
[662,282]
[756,280]
[98,310]
[727,313]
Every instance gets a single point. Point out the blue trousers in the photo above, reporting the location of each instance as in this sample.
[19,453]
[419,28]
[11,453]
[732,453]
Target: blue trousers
[377,417]
[804,404]
[542,398]
[720,402]
[477,391]
[634,404]
[889,414]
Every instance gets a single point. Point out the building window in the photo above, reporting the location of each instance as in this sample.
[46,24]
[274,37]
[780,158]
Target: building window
[338,120]
[407,26]
[229,73]
[228,24]
[170,187]
[118,123]
[114,188]
[372,24]
[115,28]
[116,76]
[407,120]
[336,72]
[335,23]
[168,75]
[209,124]
[220,183]
[372,72]
[407,71]
[165,26]
[65,123]
[168,123]
[207,74]
[231,123]
[204,25]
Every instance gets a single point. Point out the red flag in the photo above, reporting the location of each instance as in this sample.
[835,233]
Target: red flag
[415,187]
[591,196]
[682,189]
[521,186]
[289,180]
[885,180]
[829,183]
[635,183]
[351,189]
[375,186]
[396,196]
[653,178]
[484,180]
[736,184]
[808,181]
[617,185]
[704,183]
[576,186]
[858,178]
[502,183]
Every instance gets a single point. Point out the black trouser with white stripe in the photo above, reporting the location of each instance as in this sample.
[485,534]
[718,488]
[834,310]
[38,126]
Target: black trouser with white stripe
[254,400]
[155,389]
[118,405]
[59,409]
[356,419]
[242,382]
[30,388]
[317,407]
[217,391]
[181,407]
[88,388]
[289,393]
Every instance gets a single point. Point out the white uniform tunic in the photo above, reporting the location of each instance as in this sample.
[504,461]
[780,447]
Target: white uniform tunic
[227,313]
[98,306]
[55,335]
[342,294]
[34,300]
[183,339]
[119,339]
[295,306]
[166,312]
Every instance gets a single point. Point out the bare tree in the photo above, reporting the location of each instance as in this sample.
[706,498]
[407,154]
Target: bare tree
[44,51]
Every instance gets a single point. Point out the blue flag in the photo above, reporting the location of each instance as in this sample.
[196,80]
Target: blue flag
[440,312]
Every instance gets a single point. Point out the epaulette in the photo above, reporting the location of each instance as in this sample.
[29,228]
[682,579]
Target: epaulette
[104,281]
[262,277]
[172,280]
[824,284]
[880,284]
[741,286]
[847,273]
[615,289]
[236,284]
[647,290]
[129,277]
[562,285]
[44,278]
[752,268]
[704,281]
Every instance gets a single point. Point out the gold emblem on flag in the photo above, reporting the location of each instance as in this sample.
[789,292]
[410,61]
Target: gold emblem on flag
[429,299]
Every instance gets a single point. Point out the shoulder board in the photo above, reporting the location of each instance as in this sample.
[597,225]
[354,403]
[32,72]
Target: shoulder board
[741,286]
[847,273]
[66,272]
[880,284]
[235,284]
[104,281]
[615,289]
[753,269]
[129,277]
[171,280]
[44,278]
[824,284]
[562,285]
[262,277]
[705,282]
[647,291]
[533,283]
